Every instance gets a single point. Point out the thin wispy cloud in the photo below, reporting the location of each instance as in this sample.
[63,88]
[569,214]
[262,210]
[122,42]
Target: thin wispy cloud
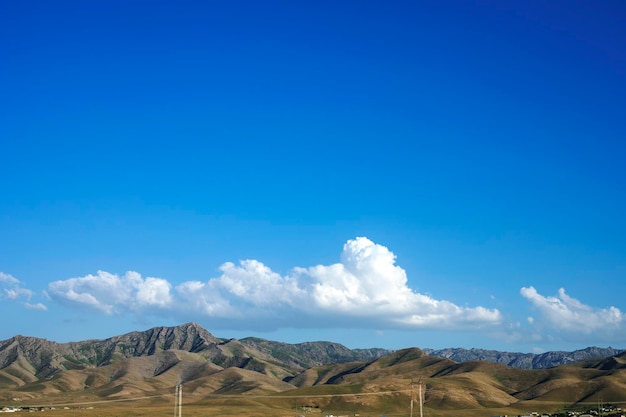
[36,306]
[12,289]
[365,288]
[7,279]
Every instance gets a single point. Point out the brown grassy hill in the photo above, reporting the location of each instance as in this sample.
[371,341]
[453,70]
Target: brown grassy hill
[473,385]
[147,376]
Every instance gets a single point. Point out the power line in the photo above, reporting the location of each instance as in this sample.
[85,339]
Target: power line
[178,397]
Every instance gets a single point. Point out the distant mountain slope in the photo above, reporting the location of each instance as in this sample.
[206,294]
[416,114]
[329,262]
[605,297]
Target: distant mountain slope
[524,360]
[309,354]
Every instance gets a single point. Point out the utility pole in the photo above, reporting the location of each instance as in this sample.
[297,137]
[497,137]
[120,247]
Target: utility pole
[420,397]
[411,398]
[178,401]
[419,384]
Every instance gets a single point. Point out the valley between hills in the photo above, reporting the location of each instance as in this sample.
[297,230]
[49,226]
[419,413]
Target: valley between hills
[136,374]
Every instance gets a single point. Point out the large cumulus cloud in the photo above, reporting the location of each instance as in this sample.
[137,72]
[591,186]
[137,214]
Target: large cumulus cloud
[365,288]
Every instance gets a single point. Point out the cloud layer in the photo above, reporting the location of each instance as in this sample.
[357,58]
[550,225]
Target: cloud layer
[366,288]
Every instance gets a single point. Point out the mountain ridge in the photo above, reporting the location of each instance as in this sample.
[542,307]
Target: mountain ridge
[194,338]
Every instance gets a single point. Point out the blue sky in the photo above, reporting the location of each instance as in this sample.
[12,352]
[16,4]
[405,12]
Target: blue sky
[379,174]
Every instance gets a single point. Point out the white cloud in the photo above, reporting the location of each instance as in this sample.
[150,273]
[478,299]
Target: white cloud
[569,316]
[257,284]
[7,279]
[37,306]
[12,290]
[367,283]
[111,293]
[17,293]
[246,294]
[153,292]
[366,279]
[366,288]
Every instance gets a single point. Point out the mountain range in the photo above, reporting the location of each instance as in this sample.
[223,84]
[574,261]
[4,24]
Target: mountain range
[320,375]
